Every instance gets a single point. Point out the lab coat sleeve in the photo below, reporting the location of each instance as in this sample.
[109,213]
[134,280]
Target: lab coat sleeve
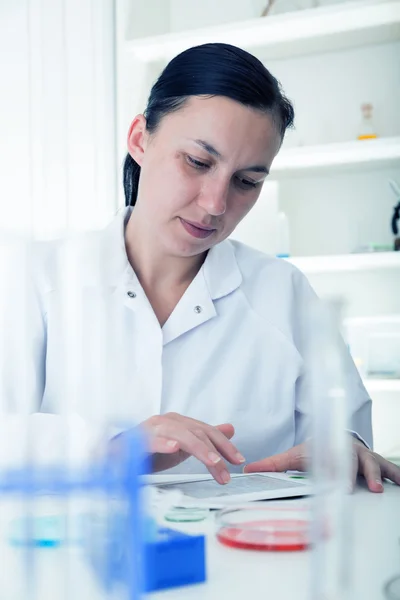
[305,305]
[23,332]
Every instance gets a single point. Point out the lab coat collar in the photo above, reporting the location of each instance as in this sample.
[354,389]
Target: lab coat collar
[221,271]
[115,258]
[218,277]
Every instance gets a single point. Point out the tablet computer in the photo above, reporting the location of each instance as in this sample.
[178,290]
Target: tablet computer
[206,492]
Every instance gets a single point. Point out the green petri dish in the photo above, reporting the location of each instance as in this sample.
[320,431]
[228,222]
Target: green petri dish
[186,515]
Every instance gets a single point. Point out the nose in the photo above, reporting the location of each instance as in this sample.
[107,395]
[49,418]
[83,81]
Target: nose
[213,198]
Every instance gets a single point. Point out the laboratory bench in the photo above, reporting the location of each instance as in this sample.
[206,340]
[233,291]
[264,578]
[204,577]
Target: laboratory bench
[244,574]
[231,573]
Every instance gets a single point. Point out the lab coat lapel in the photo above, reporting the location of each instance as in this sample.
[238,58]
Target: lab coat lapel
[194,308]
[218,277]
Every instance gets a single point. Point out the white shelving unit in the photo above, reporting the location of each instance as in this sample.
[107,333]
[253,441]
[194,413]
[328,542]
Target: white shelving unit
[376,320]
[370,261]
[319,30]
[382,385]
[314,31]
[349,155]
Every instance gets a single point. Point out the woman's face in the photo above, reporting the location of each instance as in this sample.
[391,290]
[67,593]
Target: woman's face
[201,171]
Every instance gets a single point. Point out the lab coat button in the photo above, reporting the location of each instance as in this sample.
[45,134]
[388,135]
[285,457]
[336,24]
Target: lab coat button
[197,309]
[131,294]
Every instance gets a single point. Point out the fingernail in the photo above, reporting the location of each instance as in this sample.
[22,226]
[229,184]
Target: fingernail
[240,457]
[172,443]
[379,482]
[225,476]
[214,457]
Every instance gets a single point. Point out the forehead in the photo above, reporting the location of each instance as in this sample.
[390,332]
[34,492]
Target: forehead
[238,132]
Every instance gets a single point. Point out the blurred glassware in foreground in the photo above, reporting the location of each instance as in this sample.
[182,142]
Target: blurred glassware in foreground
[331,458]
[58,477]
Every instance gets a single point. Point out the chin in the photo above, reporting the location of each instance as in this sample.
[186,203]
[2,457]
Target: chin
[185,249]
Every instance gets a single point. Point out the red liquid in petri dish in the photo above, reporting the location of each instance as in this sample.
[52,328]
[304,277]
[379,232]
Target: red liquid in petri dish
[272,535]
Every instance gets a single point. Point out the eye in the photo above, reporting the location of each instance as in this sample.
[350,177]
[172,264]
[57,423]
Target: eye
[245,184]
[196,164]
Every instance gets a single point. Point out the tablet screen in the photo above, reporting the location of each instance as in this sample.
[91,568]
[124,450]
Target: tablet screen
[209,488]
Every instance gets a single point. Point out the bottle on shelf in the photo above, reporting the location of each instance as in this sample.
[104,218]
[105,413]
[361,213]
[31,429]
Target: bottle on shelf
[367,129]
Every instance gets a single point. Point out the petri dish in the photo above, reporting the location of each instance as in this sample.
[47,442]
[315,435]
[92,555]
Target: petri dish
[265,528]
[186,515]
[392,589]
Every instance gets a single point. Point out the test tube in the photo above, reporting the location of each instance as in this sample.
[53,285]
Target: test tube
[38,575]
[331,459]
[84,287]
[16,404]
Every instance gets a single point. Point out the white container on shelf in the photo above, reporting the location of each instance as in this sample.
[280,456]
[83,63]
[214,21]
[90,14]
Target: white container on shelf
[375,345]
[259,227]
[282,236]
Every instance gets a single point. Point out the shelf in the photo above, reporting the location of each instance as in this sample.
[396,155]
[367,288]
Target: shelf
[382,385]
[373,320]
[347,262]
[355,154]
[309,31]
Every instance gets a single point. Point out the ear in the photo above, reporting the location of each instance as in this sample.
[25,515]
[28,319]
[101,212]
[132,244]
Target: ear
[137,139]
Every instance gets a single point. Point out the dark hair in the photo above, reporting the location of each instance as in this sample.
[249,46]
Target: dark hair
[210,70]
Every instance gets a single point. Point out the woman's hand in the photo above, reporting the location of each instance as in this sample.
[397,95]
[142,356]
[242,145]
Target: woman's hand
[365,462]
[173,438]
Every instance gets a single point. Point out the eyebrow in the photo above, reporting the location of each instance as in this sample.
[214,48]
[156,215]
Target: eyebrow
[211,150]
[257,169]
[208,148]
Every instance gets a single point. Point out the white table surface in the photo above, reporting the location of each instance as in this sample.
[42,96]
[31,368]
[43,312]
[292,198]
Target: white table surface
[231,573]
[242,574]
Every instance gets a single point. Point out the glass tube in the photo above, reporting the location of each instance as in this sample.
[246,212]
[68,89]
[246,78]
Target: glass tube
[331,459]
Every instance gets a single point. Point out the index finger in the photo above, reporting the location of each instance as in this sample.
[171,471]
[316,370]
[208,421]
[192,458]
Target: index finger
[219,435]
[224,446]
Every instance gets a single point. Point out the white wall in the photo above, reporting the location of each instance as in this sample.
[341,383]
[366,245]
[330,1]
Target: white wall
[355,208]
[328,90]
[155,17]
[57,115]
[386,419]
[337,213]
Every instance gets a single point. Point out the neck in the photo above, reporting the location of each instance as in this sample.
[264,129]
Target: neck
[157,271]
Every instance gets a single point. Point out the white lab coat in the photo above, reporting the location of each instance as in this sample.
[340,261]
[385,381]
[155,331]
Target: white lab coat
[233,350]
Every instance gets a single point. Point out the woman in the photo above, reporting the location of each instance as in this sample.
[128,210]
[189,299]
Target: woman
[214,334]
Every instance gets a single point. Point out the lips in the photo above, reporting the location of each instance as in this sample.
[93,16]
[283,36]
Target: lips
[196,230]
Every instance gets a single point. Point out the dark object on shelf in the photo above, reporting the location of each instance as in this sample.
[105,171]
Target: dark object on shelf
[396,216]
[267,8]
[392,589]
[395,228]
[291,6]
